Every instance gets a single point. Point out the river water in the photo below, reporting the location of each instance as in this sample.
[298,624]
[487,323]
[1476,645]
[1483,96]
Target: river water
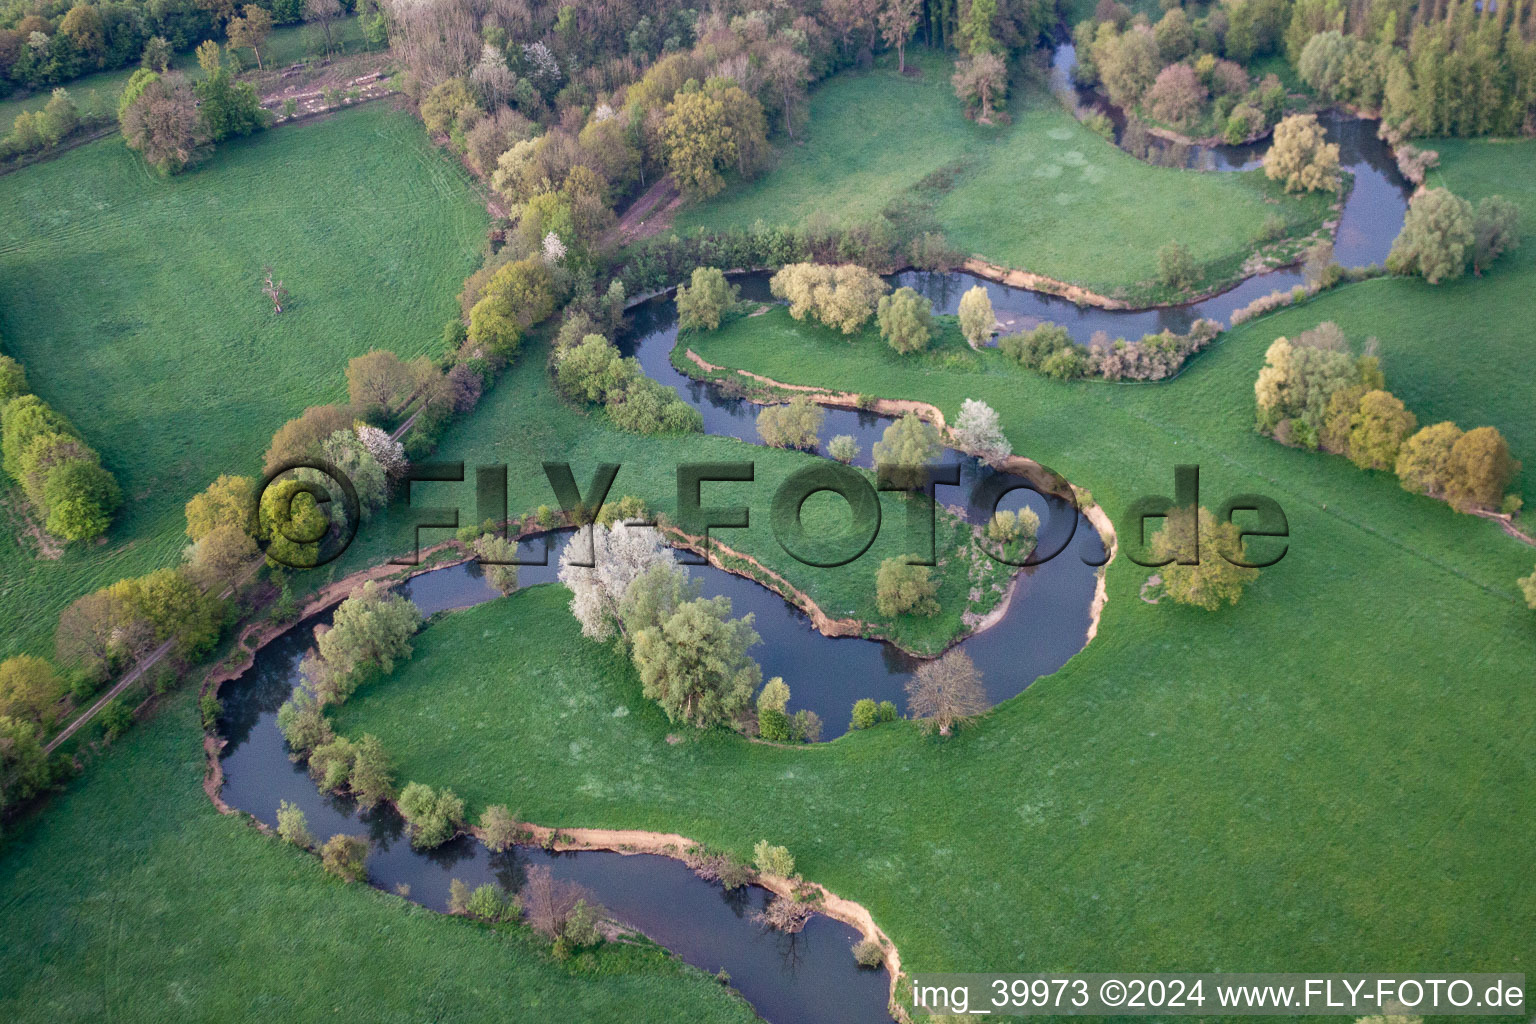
[809,977]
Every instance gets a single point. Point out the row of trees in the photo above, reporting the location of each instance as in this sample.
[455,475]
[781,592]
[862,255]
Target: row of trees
[1049,349]
[46,456]
[37,130]
[1315,392]
[44,45]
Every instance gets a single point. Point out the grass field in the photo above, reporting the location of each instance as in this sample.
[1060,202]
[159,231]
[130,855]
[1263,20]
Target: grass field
[98,93]
[1325,774]
[132,899]
[1044,194]
[135,304]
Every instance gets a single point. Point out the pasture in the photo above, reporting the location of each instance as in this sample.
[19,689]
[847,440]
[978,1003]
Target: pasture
[1044,194]
[135,304]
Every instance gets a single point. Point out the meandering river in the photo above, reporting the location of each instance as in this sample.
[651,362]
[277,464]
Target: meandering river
[811,976]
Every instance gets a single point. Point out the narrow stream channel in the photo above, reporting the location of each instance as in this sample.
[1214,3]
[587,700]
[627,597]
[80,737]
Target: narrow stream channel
[809,977]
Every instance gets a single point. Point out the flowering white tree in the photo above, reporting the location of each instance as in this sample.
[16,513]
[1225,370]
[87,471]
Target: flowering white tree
[603,113]
[554,249]
[494,80]
[386,451]
[621,553]
[545,69]
[979,430]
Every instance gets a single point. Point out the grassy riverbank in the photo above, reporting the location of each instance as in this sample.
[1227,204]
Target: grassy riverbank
[130,898]
[1324,774]
[1044,194]
[135,304]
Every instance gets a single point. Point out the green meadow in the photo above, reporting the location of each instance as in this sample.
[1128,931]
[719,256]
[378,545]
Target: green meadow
[135,304]
[1044,194]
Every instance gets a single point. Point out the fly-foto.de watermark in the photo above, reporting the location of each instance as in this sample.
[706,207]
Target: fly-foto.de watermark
[313,506]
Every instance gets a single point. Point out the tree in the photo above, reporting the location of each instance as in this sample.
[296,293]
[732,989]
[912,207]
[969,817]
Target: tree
[979,430]
[773,724]
[1128,63]
[621,553]
[302,721]
[843,297]
[323,13]
[222,557]
[844,448]
[977,318]
[905,589]
[695,664]
[496,555]
[293,826]
[1437,237]
[80,498]
[22,421]
[13,380]
[551,904]
[158,54]
[228,501]
[251,31]
[773,861]
[906,319]
[980,80]
[905,448]
[1214,578]
[59,118]
[795,425]
[22,759]
[1175,266]
[1301,158]
[379,382]
[369,633]
[1378,429]
[85,639]
[434,816]
[946,692]
[1495,231]
[898,20]
[1177,96]
[29,688]
[1424,461]
[1174,35]
[372,778]
[518,295]
[709,130]
[164,126]
[702,306]
[301,437]
[346,857]
[273,290]
[165,605]
[487,903]
[1480,469]
[498,828]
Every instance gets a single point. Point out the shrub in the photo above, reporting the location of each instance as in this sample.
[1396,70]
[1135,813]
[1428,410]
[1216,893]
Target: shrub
[805,726]
[904,589]
[1495,231]
[774,725]
[887,711]
[1176,267]
[345,857]
[498,828]
[773,860]
[292,826]
[434,816]
[487,903]
[116,717]
[865,714]
[843,448]
[795,425]
[867,953]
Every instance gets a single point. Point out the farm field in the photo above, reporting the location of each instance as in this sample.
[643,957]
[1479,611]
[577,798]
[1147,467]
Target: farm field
[132,898]
[135,305]
[1044,194]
